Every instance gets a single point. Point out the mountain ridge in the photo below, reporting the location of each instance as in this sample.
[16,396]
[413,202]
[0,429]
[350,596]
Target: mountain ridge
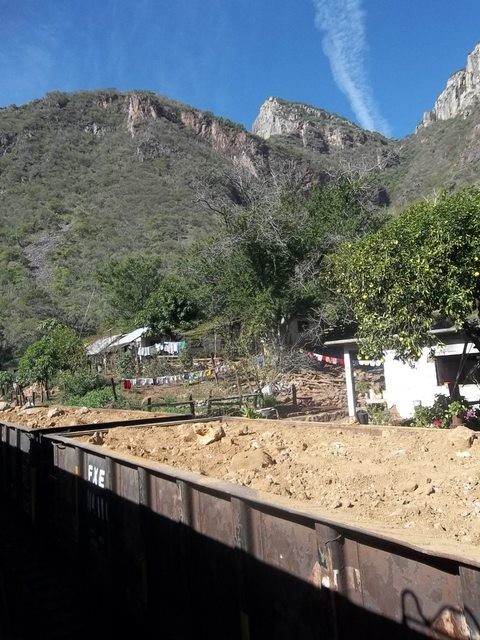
[85,176]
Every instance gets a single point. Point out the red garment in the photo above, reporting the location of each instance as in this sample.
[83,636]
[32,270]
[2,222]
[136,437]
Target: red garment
[127,384]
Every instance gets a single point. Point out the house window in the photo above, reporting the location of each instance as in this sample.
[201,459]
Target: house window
[447,369]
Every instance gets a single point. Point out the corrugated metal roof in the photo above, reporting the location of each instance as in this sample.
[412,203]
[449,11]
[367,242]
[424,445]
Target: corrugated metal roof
[128,338]
[101,344]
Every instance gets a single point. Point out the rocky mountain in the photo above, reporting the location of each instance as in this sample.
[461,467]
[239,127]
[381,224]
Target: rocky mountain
[91,175]
[461,96]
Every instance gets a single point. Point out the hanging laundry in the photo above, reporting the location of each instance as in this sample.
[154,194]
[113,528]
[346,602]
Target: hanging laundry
[367,363]
[322,358]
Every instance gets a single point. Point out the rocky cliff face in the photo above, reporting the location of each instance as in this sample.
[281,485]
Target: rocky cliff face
[225,138]
[316,129]
[460,95]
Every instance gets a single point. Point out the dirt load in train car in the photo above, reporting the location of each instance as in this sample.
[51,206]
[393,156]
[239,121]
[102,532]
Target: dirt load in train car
[61,416]
[424,483]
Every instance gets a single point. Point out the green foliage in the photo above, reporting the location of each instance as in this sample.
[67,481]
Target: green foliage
[78,188]
[6,381]
[125,365]
[185,358]
[248,412]
[434,415]
[262,267]
[78,383]
[59,349]
[268,401]
[456,408]
[6,378]
[172,307]
[423,265]
[100,398]
[129,282]
[362,386]
[379,414]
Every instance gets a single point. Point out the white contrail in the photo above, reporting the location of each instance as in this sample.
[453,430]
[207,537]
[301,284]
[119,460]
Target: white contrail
[345,45]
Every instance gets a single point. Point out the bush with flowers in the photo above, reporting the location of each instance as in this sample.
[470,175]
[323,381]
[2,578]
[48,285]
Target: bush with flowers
[472,417]
[443,411]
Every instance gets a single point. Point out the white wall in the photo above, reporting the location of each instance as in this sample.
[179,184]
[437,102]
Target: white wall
[407,386]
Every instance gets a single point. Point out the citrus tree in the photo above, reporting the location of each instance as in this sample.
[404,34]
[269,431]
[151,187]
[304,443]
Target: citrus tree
[420,267]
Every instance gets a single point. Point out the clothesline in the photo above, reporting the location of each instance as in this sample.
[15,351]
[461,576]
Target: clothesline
[322,358]
[340,361]
[193,376]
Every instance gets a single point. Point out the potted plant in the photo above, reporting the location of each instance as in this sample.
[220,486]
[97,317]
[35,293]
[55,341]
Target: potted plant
[455,413]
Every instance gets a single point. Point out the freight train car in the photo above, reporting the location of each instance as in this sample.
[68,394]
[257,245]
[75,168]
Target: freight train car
[26,460]
[196,557]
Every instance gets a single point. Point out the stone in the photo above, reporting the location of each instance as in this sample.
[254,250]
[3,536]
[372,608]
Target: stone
[96,438]
[208,433]
[461,437]
[408,486]
[83,410]
[4,406]
[54,412]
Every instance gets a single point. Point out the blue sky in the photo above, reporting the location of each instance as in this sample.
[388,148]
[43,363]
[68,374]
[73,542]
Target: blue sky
[380,63]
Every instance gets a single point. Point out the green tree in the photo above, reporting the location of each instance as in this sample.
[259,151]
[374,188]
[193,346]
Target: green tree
[174,306]
[420,268]
[58,349]
[262,267]
[128,283]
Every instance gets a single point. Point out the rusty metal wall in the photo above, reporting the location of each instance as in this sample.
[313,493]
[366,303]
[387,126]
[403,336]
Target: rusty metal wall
[26,458]
[247,567]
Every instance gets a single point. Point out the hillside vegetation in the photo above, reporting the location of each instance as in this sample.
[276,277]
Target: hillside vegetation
[92,176]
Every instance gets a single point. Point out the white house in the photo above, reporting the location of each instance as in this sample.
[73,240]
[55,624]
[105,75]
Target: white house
[407,386]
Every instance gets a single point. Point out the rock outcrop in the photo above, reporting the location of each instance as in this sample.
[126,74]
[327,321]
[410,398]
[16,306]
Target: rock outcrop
[316,129]
[224,137]
[460,95]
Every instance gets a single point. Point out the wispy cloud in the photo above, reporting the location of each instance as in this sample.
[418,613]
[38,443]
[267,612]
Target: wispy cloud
[345,45]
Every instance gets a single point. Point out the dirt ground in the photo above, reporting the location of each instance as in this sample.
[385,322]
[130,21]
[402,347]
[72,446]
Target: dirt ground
[423,483]
[319,393]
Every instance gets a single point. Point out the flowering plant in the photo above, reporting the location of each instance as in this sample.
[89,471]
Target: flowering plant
[455,408]
[472,417]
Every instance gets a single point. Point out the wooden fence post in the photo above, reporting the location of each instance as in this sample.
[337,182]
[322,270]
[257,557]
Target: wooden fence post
[209,402]
[192,405]
[294,395]
[114,390]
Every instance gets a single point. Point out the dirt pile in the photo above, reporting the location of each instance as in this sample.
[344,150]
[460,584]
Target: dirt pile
[424,482]
[62,416]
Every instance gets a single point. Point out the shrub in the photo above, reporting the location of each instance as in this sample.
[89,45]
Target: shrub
[100,398]
[77,383]
[125,365]
[248,412]
[268,401]
[438,415]
[379,414]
